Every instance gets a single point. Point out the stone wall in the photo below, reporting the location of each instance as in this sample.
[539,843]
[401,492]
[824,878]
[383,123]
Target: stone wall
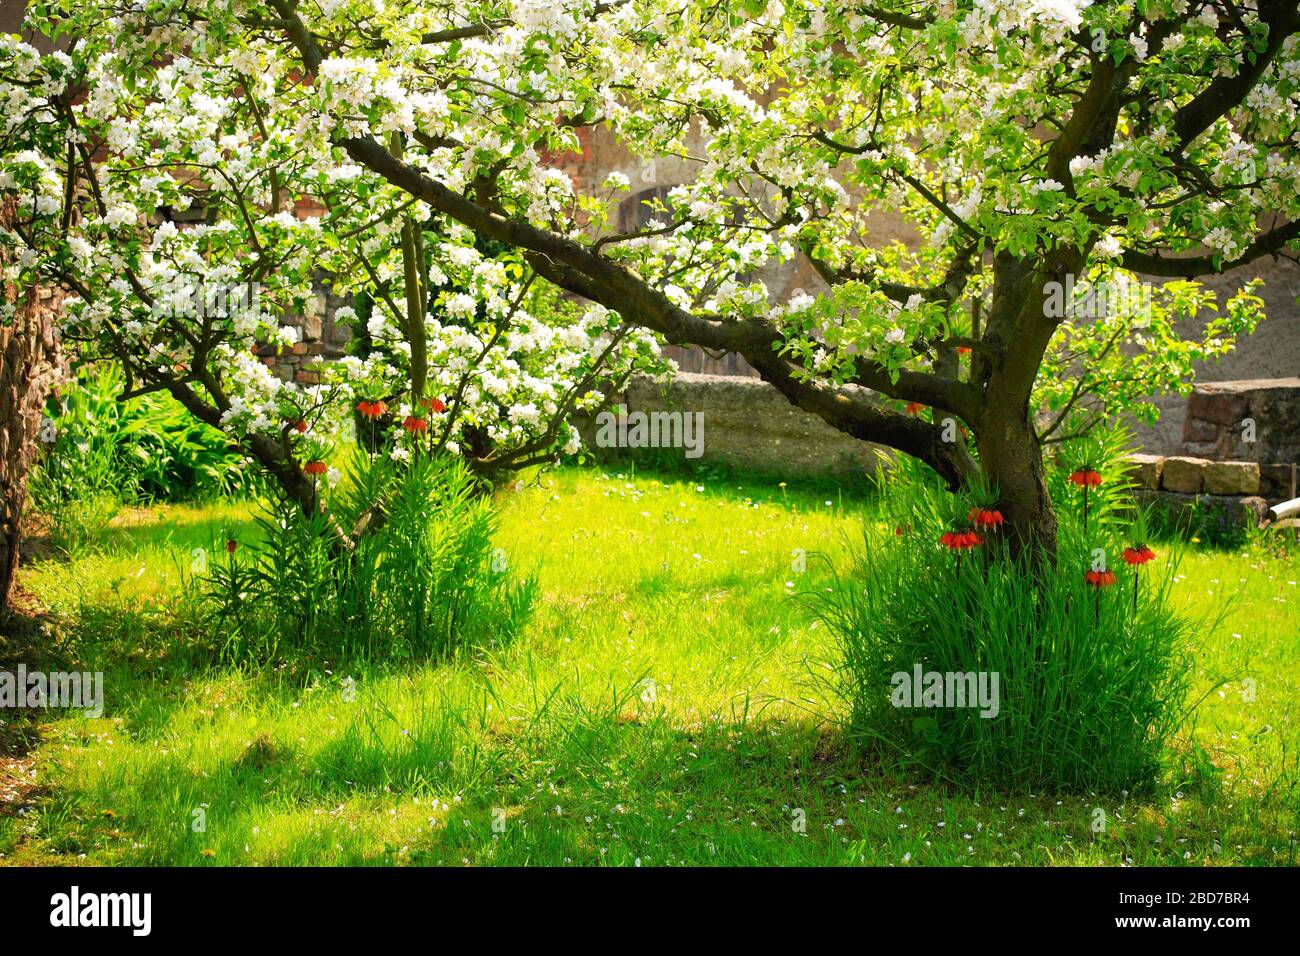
[1273,351]
[320,337]
[1252,420]
[748,424]
[1180,486]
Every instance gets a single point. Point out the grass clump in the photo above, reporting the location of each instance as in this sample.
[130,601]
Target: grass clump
[1079,666]
[1078,689]
[423,581]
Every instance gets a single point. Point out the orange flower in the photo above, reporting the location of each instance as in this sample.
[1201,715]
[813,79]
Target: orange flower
[914,408]
[1138,554]
[315,467]
[372,409]
[435,405]
[960,540]
[300,426]
[985,517]
[231,545]
[963,350]
[1099,579]
[1085,477]
[413,424]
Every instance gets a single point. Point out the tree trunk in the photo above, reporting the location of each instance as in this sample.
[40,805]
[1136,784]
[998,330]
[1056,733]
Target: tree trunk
[1012,460]
[30,365]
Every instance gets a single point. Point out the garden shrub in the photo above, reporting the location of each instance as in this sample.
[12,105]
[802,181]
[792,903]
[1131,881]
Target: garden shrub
[1093,675]
[80,489]
[424,581]
[107,452]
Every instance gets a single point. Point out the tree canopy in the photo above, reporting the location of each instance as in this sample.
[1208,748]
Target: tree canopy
[1045,156]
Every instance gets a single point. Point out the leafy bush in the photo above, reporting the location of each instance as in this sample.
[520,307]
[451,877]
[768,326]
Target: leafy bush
[1092,677]
[78,487]
[147,448]
[424,581]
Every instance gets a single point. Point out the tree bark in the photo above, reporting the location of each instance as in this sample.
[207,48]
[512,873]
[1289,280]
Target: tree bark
[30,366]
[1012,462]
[1011,456]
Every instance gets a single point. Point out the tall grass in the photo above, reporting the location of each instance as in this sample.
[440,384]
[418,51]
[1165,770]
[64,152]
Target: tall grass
[150,446]
[424,581]
[1090,690]
[1092,680]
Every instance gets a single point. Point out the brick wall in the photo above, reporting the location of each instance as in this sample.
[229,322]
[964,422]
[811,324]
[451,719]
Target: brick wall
[320,337]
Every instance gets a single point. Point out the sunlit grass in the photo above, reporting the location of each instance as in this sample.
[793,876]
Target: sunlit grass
[661,708]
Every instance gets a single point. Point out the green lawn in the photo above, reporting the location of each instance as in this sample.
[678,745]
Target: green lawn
[667,705]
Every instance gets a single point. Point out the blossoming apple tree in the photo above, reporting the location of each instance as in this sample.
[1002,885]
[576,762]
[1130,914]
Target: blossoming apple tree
[1036,153]
[157,183]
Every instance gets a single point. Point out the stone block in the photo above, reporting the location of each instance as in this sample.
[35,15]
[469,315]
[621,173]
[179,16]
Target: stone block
[1254,420]
[1199,431]
[1232,478]
[749,424]
[1218,405]
[1183,475]
[1145,470]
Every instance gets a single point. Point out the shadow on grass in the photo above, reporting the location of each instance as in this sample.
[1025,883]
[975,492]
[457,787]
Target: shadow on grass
[414,778]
